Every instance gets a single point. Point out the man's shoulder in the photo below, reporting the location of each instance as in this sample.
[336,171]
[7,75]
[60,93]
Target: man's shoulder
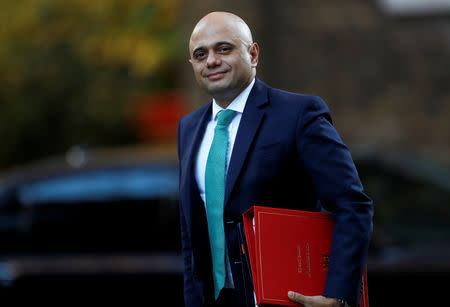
[296,104]
[288,96]
[195,115]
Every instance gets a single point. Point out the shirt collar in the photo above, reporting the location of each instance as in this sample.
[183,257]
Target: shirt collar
[238,104]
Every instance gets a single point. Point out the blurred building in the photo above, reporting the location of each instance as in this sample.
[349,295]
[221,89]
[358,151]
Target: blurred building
[382,66]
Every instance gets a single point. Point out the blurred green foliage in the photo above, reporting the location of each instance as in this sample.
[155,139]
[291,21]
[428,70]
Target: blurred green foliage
[70,70]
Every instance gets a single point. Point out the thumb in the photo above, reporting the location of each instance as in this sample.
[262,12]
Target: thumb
[298,298]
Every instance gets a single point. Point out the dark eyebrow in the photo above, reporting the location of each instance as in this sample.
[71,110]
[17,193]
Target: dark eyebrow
[197,49]
[216,45]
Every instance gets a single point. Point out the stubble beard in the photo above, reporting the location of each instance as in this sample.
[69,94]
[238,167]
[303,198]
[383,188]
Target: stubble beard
[223,92]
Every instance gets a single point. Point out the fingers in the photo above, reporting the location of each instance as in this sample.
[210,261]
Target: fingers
[312,301]
[298,298]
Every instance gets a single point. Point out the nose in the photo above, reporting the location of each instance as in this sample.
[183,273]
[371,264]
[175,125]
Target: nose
[212,60]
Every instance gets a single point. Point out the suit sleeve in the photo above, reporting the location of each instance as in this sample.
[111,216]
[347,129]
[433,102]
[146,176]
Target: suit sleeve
[192,287]
[330,167]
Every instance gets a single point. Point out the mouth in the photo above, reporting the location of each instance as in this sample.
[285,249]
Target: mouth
[216,75]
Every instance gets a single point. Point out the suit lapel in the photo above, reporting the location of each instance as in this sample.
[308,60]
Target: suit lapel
[194,197]
[250,122]
[198,132]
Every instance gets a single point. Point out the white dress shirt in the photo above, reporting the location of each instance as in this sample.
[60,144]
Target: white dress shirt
[238,105]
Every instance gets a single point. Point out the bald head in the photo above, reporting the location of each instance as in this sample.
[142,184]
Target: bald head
[223,55]
[232,22]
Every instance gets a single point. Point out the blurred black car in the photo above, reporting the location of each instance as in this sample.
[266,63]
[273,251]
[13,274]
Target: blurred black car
[103,226]
[92,226]
[409,256]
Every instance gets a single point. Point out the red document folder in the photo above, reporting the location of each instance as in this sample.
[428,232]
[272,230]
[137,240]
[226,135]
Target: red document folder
[289,250]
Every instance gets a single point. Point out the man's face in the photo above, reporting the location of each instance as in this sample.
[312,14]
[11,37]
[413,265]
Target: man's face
[223,63]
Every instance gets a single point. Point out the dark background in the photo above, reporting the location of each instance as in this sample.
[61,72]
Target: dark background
[99,86]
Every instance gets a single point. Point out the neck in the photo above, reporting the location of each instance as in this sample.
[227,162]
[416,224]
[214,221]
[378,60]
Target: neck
[224,102]
[225,98]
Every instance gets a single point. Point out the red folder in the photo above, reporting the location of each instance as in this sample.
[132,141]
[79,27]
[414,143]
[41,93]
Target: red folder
[289,250]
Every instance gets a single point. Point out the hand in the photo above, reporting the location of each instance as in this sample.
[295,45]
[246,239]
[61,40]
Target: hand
[313,301]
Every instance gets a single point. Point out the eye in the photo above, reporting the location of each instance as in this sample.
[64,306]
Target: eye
[199,55]
[224,49]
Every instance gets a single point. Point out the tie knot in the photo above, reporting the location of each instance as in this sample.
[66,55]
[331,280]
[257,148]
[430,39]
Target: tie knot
[225,117]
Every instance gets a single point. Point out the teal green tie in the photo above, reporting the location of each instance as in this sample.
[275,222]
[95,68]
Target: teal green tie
[215,193]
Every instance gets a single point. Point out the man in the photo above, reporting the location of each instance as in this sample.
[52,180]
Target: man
[254,144]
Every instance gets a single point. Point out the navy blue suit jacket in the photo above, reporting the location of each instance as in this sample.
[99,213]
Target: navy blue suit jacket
[286,154]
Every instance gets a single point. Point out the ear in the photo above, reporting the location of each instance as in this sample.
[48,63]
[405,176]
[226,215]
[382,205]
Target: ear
[254,54]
